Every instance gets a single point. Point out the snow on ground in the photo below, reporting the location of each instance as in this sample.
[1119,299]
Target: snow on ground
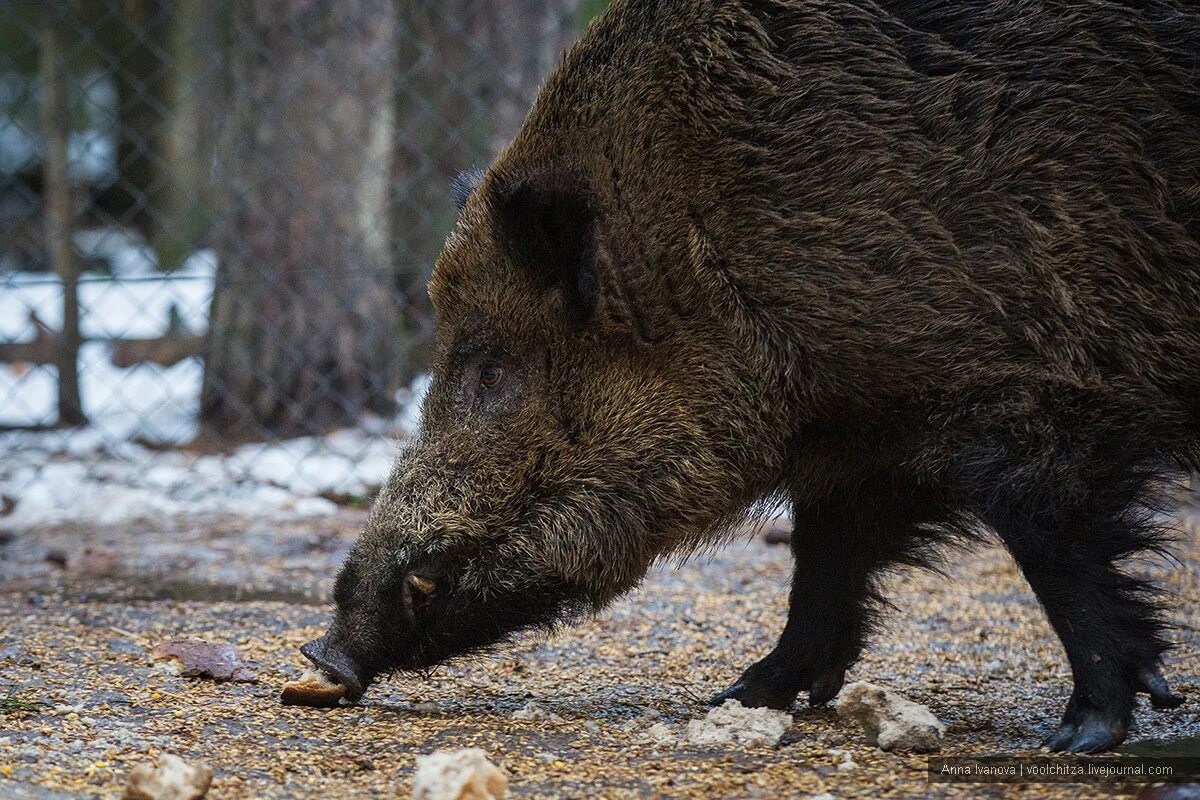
[106,473]
[135,307]
[153,403]
[82,480]
[157,404]
[98,475]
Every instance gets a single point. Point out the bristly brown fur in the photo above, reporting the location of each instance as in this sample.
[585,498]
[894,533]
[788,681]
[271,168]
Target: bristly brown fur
[924,268]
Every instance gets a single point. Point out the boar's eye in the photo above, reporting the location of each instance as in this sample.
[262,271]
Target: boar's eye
[490,376]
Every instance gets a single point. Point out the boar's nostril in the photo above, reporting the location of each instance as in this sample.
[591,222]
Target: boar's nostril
[329,657]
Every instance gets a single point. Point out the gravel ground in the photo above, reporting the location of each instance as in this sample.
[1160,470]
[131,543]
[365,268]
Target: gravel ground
[80,610]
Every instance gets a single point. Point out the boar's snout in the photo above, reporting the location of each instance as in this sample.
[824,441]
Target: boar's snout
[330,657]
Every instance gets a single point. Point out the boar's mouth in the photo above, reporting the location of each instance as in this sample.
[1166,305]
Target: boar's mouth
[330,657]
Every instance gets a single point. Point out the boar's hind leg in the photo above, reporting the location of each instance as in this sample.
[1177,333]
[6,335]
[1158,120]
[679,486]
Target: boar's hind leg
[840,551]
[1106,620]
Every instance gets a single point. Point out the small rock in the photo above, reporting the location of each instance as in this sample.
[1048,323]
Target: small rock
[106,697]
[171,778]
[515,665]
[890,720]
[425,707]
[536,712]
[847,763]
[458,775]
[732,723]
[120,644]
[661,734]
[196,658]
[172,667]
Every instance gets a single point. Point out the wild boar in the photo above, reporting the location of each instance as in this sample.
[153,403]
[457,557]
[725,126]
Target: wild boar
[926,271]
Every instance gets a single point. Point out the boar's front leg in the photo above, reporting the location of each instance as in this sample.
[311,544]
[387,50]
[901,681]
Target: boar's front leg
[840,549]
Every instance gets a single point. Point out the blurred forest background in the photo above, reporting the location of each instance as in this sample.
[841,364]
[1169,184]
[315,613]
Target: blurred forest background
[217,220]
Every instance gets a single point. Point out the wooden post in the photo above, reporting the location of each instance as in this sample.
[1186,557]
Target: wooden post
[58,210]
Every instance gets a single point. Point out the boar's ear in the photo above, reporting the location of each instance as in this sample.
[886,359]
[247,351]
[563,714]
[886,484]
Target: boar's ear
[464,185]
[551,231]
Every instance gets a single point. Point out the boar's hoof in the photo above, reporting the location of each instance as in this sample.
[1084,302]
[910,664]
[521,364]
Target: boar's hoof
[766,684]
[1154,684]
[728,694]
[760,688]
[825,687]
[1086,732]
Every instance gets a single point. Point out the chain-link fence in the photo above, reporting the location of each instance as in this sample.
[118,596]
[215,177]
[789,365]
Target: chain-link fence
[217,219]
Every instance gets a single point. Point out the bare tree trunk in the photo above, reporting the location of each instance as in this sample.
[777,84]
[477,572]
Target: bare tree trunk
[303,331]
[59,210]
[183,142]
[141,81]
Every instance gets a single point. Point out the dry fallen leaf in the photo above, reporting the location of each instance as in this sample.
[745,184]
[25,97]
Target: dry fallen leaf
[196,658]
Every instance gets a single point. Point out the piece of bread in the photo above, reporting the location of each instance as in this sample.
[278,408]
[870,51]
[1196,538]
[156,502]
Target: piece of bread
[312,689]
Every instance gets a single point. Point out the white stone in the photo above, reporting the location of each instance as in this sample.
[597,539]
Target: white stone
[847,763]
[458,775]
[890,720]
[536,712]
[732,723]
[171,778]
[661,734]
